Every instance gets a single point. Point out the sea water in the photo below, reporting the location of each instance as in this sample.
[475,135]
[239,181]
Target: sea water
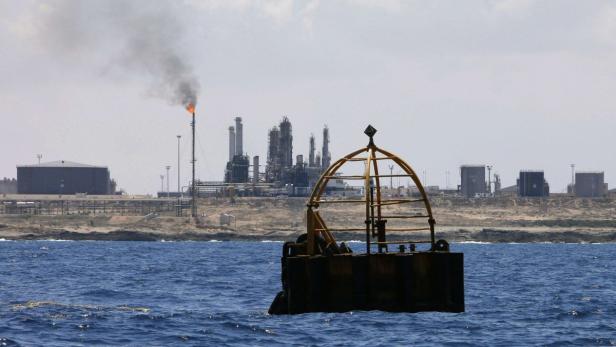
[217,293]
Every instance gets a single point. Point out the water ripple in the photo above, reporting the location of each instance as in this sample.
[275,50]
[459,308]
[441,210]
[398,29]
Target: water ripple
[217,293]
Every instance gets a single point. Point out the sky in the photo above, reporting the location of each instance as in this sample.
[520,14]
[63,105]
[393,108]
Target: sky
[516,84]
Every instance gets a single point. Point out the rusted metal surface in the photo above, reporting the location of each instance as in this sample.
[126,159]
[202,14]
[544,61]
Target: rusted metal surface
[318,274]
[372,199]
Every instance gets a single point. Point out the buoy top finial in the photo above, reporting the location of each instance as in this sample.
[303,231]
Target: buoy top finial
[370,131]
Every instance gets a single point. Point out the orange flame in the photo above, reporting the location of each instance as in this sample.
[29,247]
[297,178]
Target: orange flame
[190,108]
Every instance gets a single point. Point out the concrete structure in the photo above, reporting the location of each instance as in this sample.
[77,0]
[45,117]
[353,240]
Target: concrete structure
[231,143]
[239,136]
[63,177]
[8,186]
[590,184]
[473,180]
[532,183]
[238,165]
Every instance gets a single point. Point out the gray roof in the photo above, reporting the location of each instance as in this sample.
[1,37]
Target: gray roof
[513,188]
[62,163]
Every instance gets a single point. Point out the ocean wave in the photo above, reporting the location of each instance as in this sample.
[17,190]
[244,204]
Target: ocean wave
[34,304]
[133,293]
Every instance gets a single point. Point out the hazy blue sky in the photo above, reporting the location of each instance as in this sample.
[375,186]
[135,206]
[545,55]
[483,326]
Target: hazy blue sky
[517,84]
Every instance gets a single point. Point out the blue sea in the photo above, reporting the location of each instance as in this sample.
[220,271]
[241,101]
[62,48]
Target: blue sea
[91,293]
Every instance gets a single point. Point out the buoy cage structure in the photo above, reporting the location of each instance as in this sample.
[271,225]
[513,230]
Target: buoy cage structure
[321,275]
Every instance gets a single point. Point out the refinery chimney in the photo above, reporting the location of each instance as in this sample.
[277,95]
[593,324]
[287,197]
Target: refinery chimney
[255,169]
[326,156]
[286,143]
[239,150]
[311,152]
[231,143]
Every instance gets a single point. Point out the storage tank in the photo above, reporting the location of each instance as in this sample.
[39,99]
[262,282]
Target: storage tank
[63,177]
[473,180]
[532,183]
[590,184]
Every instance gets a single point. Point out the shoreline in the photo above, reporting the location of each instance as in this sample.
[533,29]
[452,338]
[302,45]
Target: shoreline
[483,235]
[497,220]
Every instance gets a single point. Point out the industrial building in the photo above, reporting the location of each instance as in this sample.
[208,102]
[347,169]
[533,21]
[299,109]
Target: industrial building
[590,184]
[280,169]
[532,184]
[237,167]
[473,180]
[63,177]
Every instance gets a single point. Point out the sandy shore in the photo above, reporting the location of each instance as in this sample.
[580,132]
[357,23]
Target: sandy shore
[561,219]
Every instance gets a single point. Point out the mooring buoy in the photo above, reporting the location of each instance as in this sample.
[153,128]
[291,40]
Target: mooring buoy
[321,275]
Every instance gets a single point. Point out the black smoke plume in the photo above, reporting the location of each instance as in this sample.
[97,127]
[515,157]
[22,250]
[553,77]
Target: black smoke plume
[142,37]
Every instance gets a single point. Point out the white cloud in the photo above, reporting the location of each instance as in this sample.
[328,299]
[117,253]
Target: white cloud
[308,13]
[25,25]
[279,10]
[220,4]
[604,25]
[512,7]
[389,5]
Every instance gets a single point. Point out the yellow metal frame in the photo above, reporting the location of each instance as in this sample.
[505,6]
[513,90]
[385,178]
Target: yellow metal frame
[316,225]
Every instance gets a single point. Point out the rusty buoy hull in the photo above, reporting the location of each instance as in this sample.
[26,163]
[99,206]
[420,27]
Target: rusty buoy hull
[395,282]
[321,275]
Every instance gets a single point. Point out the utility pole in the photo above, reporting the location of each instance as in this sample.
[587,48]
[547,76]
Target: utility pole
[391,177]
[39,156]
[179,188]
[167,167]
[489,179]
[162,183]
[446,179]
